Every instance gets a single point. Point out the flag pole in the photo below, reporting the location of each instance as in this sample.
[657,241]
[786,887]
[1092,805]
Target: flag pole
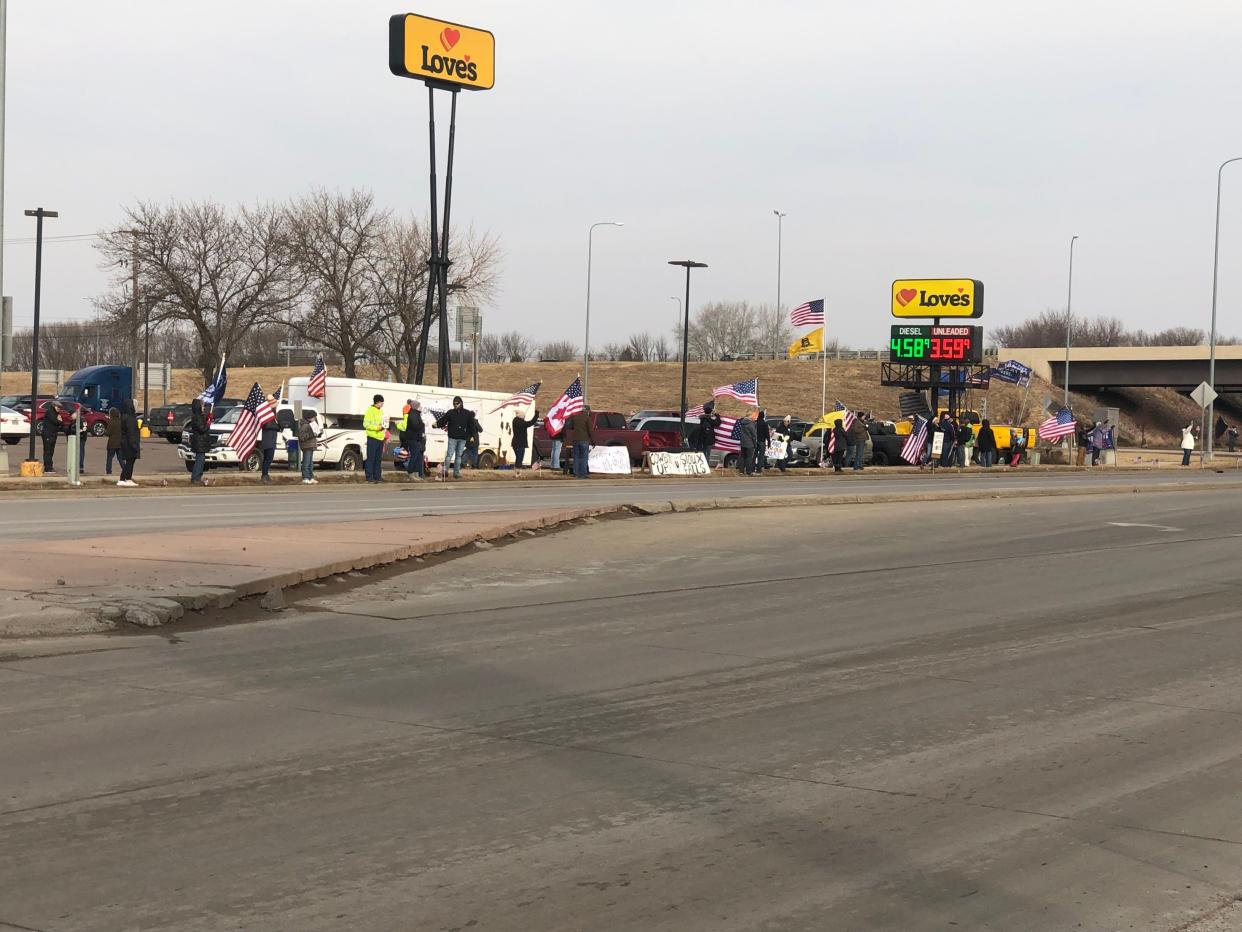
[823,349]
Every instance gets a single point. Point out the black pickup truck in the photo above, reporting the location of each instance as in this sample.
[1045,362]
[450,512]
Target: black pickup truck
[169,421]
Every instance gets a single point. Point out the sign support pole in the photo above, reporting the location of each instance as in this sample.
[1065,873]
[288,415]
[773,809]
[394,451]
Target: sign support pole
[433,255]
[823,392]
[446,362]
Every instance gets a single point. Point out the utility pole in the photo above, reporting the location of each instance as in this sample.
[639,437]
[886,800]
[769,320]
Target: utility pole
[4,8]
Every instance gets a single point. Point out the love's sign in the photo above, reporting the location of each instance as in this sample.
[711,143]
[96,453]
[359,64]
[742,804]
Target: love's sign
[441,52]
[938,297]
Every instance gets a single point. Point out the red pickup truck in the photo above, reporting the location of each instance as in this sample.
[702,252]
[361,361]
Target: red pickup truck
[611,431]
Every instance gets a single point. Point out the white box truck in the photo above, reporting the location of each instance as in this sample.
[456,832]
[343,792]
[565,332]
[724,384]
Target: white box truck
[345,400]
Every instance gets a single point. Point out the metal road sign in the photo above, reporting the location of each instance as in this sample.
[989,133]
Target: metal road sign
[1204,395]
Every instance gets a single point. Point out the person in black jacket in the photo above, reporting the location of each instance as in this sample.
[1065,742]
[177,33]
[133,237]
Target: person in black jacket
[762,434]
[50,427]
[200,441]
[131,444]
[841,442]
[472,441]
[456,422]
[521,435]
[267,441]
[412,435]
[709,422]
[985,443]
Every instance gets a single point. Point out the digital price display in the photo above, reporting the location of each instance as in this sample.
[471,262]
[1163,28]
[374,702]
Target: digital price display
[927,344]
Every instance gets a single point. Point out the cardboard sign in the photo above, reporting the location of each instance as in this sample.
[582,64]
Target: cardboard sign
[678,464]
[777,449]
[937,443]
[613,461]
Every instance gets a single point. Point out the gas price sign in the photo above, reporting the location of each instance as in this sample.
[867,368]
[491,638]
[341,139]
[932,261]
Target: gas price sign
[928,344]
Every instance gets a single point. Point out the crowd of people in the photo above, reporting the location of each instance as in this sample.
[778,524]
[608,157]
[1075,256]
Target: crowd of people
[123,433]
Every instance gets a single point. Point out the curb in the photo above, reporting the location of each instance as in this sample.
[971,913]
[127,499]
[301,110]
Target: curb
[101,611]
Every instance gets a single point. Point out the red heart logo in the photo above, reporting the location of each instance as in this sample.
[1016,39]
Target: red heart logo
[960,290]
[906,295]
[449,37]
[467,57]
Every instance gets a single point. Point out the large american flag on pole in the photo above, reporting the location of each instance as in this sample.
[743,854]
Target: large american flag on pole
[746,392]
[1059,425]
[912,449]
[696,411]
[728,435]
[810,314]
[569,404]
[317,387]
[525,396]
[256,411]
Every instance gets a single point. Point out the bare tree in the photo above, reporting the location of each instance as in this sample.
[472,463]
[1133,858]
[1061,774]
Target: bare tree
[514,347]
[490,349]
[220,273]
[723,327]
[773,331]
[401,270]
[661,350]
[335,240]
[558,351]
[641,347]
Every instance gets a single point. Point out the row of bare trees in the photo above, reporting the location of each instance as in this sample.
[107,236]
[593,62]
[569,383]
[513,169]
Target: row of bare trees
[334,269]
[1049,329]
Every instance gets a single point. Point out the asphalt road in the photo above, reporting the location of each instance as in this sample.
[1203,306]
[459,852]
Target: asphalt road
[996,715]
[158,456]
[66,514]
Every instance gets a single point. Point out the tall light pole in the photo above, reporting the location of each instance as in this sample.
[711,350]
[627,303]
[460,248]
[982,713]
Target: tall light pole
[687,264]
[779,218]
[1208,431]
[586,345]
[1069,317]
[39,214]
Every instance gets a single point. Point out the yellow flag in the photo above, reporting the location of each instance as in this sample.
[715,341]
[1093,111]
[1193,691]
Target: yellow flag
[812,342]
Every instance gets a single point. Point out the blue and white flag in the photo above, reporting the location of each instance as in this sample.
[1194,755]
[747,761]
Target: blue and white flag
[1013,372]
[215,391]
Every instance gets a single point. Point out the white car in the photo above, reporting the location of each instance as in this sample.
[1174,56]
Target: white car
[338,446]
[13,426]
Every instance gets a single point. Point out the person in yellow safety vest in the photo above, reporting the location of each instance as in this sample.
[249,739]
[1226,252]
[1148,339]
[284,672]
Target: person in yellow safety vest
[373,424]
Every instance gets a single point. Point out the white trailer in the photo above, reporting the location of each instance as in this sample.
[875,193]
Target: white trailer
[346,400]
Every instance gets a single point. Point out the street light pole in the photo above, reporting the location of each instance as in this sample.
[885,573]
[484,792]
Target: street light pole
[586,345]
[779,218]
[1069,317]
[38,214]
[1208,430]
[687,264]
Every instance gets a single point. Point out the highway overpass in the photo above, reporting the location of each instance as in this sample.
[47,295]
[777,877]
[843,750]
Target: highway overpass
[1098,368]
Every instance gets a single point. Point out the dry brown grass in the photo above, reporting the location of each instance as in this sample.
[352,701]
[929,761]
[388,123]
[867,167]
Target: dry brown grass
[785,387]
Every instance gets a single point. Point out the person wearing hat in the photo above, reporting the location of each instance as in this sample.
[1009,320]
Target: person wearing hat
[456,423]
[50,427]
[373,424]
[521,436]
[412,434]
[309,432]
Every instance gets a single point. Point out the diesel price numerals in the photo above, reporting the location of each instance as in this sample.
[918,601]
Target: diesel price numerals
[931,344]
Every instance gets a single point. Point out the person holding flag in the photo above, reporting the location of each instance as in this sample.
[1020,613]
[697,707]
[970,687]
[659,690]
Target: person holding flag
[256,412]
[269,431]
[569,404]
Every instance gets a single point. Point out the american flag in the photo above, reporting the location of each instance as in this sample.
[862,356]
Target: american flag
[696,411]
[810,314]
[912,449]
[524,397]
[256,411]
[1058,425]
[317,387]
[215,391]
[848,419]
[729,435]
[568,404]
[746,392]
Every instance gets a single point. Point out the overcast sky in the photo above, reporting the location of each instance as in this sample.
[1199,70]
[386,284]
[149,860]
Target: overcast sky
[904,138]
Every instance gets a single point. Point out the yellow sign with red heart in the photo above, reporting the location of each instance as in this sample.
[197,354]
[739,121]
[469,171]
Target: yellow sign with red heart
[937,297]
[440,52]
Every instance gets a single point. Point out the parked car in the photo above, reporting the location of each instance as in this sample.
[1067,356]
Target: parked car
[883,446]
[611,431]
[66,416]
[797,425]
[14,426]
[170,421]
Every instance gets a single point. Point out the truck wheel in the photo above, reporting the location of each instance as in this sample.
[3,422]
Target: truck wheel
[487,460]
[171,439]
[253,461]
[730,461]
[99,428]
[879,458]
[351,461]
[12,441]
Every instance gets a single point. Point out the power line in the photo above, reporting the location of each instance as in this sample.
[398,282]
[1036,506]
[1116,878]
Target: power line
[68,238]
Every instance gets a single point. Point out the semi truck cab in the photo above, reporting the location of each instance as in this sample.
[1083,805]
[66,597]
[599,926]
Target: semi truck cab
[98,388]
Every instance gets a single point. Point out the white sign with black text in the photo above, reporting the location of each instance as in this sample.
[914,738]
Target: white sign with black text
[678,464]
[613,461]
